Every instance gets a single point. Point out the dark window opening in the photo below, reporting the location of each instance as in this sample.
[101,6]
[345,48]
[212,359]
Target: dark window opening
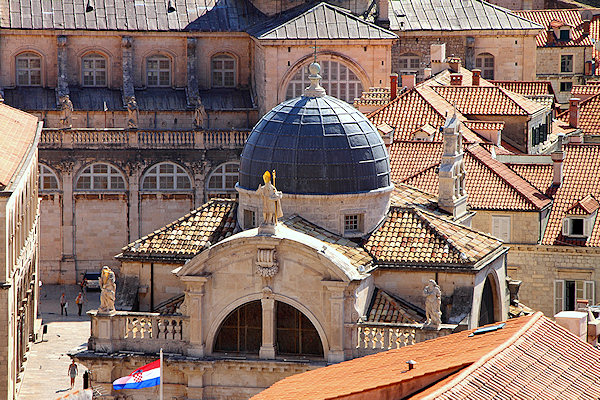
[486,313]
[296,335]
[566,86]
[241,332]
[569,295]
[564,35]
[577,226]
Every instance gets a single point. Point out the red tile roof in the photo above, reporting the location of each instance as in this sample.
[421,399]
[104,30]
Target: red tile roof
[589,116]
[527,88]
[375,96]
[585,90]
[483,100]
[539,175]
[585,206]
[595,34]
[414,237]
[388,309]
[187,236]
[530,357]
[559,18]
[581,174]
[485,125]
[17,134]
[504,189]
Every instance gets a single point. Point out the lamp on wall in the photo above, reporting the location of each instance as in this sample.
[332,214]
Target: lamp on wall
[90,6]
[170,7]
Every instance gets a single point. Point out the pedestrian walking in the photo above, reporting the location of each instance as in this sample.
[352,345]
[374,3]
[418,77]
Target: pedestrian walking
[72,373]
[79,302]
[63,302]
[83,285]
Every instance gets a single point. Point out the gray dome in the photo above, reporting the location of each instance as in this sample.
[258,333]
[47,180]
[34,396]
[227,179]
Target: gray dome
[316,145]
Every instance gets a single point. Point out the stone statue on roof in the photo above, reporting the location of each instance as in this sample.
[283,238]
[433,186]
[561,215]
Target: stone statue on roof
[200,114]
[132,113]
[271,199]
[433,301]
[108,286]
[66,110]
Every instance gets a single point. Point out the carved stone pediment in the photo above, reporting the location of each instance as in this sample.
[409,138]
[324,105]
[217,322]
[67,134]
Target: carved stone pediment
[266,263]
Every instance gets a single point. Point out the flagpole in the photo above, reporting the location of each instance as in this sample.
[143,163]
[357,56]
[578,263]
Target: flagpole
[161,374]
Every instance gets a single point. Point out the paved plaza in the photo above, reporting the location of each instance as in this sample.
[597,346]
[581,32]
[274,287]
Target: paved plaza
[45,375]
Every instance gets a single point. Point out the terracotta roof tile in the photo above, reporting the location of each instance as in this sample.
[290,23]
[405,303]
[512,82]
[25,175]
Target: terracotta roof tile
[589,116]
[539,175]
[377,96]
[484,125]
[595,34]
[405,195]
[443,79]
[357,255]
[581,174]
[389,309]
[412,237]
[527,88]
[189,235]
[17,134]
[530,357]
[559,18]
[585,90]
[585,206]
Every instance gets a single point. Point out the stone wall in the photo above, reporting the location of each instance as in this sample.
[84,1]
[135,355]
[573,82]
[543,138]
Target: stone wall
[524,226]
[549,68]
[155,278]
[539,266]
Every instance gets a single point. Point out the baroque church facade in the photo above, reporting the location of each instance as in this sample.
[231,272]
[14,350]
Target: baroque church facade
[242,299]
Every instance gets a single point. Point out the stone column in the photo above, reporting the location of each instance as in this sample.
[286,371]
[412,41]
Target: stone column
[62,82]
[67,269]
[134,202]
[267,348]
[127,58]
[336,320]
[192,79]
[193,302]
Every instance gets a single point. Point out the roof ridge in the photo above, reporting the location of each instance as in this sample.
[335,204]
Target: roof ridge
[389,104]
[581,103]
[435,164]
[477,155]
[512,94]
[535,318]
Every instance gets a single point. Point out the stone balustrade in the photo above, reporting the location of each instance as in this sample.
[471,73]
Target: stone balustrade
[138,331]
[375,338]
[120,138]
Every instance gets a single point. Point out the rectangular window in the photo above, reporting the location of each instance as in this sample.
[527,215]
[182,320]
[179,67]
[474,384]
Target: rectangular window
[566,63]
[564,34]
[351,223]
[501,227]
[576,227]
[249,219]
[566,86]
[567,293]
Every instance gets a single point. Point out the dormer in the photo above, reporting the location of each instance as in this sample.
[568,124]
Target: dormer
[562,31]
[386,132]
[580,218]
[426,133]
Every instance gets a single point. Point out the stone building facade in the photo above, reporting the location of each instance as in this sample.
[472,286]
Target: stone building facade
[19,235]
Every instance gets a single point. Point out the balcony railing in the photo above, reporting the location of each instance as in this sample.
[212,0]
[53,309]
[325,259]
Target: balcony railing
[119,138]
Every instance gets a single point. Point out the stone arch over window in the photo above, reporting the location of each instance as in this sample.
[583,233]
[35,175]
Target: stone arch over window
[48,178]
[28,67]
[94,70]
[339,79]
[221,182]
[241,331]
[295,334]
[485,62]
[166,176]
[223,70]
[489,310]
[159,70]
[100,176]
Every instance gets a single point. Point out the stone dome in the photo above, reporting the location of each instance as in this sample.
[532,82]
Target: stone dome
[316,145]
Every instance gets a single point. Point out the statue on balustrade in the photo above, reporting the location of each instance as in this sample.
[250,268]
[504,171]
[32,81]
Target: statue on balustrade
[132,113]
[108,286]
[200,114]
[271,199]
[433,301]
[66,110]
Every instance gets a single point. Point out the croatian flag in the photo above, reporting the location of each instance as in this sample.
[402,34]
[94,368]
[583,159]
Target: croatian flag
[146,376]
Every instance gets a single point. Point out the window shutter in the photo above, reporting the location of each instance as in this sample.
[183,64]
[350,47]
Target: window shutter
[565,227]
[501,227]
[559,296]
[587,227]
[590,292]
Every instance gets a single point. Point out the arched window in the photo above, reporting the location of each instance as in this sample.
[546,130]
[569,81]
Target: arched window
[296,335]
[93,70]
[29,69]
[487,308]
[338,80]
[166,176]
[158,71]
[409,63]
[100,176]
[485,62]
[223,179]
[48,179]
[223,71]
[241,332]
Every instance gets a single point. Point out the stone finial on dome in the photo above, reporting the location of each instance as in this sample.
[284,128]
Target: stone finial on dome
[315,89]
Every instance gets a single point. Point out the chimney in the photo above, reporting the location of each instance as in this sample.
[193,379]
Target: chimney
[573,321]
[454,64]
[427,73]
[557,159]
[408,81]
[586,27]
[573,112]
[438,57]
[393,86]
[383,18]
[550,38]
[476,77]
[455,79]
